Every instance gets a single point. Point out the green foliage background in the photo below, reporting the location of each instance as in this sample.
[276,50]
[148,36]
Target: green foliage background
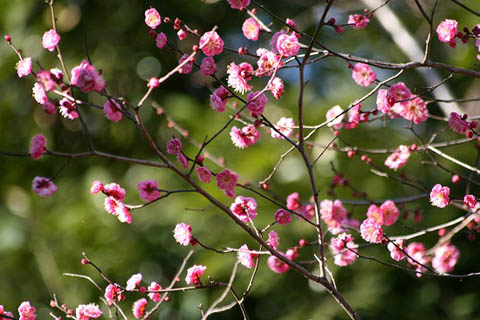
[40,239]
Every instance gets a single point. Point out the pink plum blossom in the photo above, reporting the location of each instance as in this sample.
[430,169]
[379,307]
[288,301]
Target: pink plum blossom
[447,30]
[285,126]
[45,78]
[245,208]
[154,296]
[390,212]
[287,45]
[133,282]
[182,160]
[293,201]
[118,209]
[399,158]
[50,40]
[242,138]
[68,109]
[256,103]
[416,250]
[414,110]
[375,214]
[354,117]
[276,87]
[358,21]
[112,110]
[239,4]
[111,292]
[291,23]
[219,99]
[161,40]
[204,174]
[174,146]
[458,123]
[446,257]
[384,105]
[182,34]
[273,239]
[217,103]
[37,147]
[245,257]
[153,83]
[282,216]
[187,67]
[194,274]
[336,112]
[183,234]
[238,76]
[439,196]
[267,62]
[274,41]
[308,211]
[39,93]
[343,256]
[114,190]
[399,92]
[110,204]
[363,74]
[138,308]
[277,265]
[251,29]
[27,311]
[88,311]
[292,253]
[87,78]
[152,18]
[208,66]
[56,75]
[49,107]
[149,190]
[97,186]
[470,201]
[44,187]
[5,313]
[396,249]
[371,231]
[398,95]
[211,43]
[24,67]
[333,213]
[227,181]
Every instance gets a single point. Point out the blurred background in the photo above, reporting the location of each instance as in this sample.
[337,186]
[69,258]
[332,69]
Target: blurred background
[40,239]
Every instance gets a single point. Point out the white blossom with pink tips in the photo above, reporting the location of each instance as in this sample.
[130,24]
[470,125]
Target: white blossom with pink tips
[133,282]
[24,67]
[183,234]
[246,257]
[284,126]
[50,40]
[88,311]
[335,117]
